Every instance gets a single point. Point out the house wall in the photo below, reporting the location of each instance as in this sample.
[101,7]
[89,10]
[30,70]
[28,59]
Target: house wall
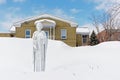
[6,35]
[20,31]
[103,36]
[87,41]
[71,31]
[79,40]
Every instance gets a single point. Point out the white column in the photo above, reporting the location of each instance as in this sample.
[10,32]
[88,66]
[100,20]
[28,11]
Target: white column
[82,39]
[50,32]
[54,33]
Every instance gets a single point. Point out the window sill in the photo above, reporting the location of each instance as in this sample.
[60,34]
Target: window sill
[64,39]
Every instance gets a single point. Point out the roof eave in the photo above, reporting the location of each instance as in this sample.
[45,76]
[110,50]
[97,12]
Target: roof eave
[18,24]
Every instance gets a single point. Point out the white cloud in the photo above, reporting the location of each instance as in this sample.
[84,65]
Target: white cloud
[55,12]
[19,0]
[9,17]
[74,11]
[61,13]
[2,1]
[39,10]
[14,9]
[105,4]
[8,21]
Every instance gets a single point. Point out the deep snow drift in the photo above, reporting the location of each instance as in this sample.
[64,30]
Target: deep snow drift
[16,55]
[101,62]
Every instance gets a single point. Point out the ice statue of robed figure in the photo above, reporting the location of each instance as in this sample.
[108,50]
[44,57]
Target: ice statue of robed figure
[39,47]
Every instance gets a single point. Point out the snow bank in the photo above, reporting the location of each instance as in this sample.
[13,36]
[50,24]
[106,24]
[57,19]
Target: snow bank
[16,55]
[100,62]
[37,76]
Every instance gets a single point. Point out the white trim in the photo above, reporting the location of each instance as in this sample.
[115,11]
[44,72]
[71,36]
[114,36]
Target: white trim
[54,33]
[63,33]
[50,33]
[18,24]
[46,20]
[27,36]
[46,23]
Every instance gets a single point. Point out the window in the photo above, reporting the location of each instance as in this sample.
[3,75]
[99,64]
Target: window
[84,38]
[63,34]
[27,33]
[47,34]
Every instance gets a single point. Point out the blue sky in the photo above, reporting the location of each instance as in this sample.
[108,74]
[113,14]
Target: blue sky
[76,10]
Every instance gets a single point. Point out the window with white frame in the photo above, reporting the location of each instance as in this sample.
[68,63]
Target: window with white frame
[63,34]
[47,34]
[27,33]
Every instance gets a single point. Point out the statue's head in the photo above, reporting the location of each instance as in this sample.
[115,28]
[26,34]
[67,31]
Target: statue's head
[39,26]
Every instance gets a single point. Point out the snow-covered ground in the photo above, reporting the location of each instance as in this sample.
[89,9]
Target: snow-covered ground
[16,55]
[100,62]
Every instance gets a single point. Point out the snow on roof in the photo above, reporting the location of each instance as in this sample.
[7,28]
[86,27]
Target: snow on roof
[18,24]
[82,30]
[12,29]
[46,22]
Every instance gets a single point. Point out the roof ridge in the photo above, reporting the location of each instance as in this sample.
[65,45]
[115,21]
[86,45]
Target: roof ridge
[45,15]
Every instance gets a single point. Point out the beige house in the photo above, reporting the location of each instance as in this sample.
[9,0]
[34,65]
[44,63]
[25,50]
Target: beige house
[82,36]
[55,28]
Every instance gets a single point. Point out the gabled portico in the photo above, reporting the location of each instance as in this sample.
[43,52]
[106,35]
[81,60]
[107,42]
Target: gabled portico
[48,27]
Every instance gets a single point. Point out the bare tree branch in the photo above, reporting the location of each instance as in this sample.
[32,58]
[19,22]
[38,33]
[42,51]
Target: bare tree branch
[110,21]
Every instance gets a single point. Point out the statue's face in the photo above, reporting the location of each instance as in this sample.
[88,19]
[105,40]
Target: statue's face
[39,26]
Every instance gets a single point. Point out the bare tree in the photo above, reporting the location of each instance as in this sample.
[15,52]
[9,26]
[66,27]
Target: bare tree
[95,21]
[109,20]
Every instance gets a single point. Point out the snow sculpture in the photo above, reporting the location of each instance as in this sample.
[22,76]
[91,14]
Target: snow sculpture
[39,47]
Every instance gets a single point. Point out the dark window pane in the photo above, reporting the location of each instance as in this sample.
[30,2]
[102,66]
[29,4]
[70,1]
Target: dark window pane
[63,33]
[63,37]
[84,38]
[27,32]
